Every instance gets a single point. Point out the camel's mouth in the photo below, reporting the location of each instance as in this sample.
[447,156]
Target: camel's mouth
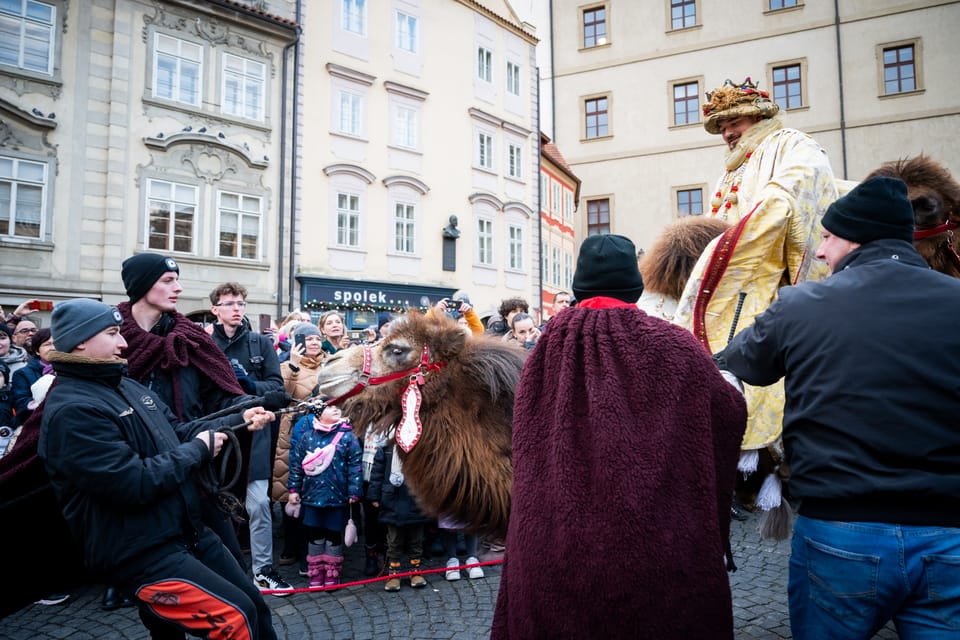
[327,385]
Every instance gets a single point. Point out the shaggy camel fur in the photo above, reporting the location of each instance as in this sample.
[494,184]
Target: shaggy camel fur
[460,468]
[935,196]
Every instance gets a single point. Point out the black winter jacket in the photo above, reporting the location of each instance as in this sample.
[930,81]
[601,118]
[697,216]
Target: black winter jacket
[23,378]
[871,358]
[121,466]
[397,505]
[255,353]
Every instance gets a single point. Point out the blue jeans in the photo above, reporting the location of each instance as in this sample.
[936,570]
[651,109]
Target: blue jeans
[847,579]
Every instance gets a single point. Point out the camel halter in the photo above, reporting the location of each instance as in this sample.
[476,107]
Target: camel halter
[947,226]
[410,427]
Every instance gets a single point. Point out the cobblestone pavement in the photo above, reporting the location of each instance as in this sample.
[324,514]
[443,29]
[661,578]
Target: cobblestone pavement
[461,610]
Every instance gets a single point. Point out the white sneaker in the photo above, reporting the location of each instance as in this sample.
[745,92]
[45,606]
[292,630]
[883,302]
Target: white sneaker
[474,572]
[453,574]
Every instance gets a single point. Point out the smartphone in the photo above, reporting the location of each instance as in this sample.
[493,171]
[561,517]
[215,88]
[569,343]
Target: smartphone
[454,305]
[41,305]
[300,340]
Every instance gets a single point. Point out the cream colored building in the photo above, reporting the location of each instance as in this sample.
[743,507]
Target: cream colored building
[419,156]
[876,81]
[133,126]
[560,189]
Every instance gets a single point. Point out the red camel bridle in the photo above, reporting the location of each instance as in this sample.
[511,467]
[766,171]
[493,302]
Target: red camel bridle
[945,227]
[416,373]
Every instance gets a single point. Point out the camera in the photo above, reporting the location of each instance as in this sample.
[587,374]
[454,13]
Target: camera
[41,305]
[454,305]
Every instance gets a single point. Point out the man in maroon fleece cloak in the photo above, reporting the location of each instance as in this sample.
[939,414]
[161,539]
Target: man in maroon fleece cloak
[625,445]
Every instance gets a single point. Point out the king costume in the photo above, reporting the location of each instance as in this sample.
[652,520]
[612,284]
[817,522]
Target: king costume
[625,442]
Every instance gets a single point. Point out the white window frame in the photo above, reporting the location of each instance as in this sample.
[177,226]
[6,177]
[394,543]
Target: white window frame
[555,263]
[251,75]
[354,16]
[567,206]
[175,200]
[545,261]
[29,27]
[16,181]
[405,227]
[555,200]
[350,107]
[348,219]
[515,248]
[243,214]
[407,38]
[179,58]
[567,270]
[515,160]
[513,78]
[405,126]
[484,64]
[485,149]
[485,241]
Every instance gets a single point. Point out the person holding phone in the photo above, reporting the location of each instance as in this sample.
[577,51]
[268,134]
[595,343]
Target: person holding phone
[300,381]
[459,308]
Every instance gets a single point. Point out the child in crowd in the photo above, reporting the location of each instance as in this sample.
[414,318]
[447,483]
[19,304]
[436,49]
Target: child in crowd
[374,532]
[448,534]
[324,481]
[399,511]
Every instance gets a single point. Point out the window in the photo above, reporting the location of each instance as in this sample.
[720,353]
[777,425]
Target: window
[786,86]
[515,161]
[485,64]
[484,151]
[243,87]
[485,241]
[686,103]
[555,263]
[555,197]
[23,187]
[348,220]
[239,225]
[594,27]
[567,207]
[544,192]
[683,13]
[351,106]
[403,228]
[513,78]
[171,212]
[515,239]
[782,4]
[544,263]
[405,131]
[406,32]
[26,35]
[177,69]
[899,71]
[354,16]
[567,270]
[598,216]
[596,117]
[690,202]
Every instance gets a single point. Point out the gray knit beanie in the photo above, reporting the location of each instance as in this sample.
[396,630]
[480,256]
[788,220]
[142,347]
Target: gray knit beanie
[78,320]
[306,329]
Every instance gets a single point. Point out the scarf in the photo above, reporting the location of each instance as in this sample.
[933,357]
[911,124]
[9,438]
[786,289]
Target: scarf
[184,344]
[750,140]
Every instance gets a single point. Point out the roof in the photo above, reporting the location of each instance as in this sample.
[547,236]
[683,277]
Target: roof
[552,153]
[502,12]
[250,8]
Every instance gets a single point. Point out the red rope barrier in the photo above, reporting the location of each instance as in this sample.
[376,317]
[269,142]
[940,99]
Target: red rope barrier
[405,574]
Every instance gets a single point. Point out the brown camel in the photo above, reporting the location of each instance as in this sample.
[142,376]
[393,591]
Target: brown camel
[460,466]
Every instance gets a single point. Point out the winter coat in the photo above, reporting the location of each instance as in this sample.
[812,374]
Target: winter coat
[120,464]
[340,481]
[397,505]
[871,379]
[15,359]
[23,378]
[256,355]
[300,385]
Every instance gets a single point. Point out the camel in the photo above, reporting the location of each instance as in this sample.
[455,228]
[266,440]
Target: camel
[455,433]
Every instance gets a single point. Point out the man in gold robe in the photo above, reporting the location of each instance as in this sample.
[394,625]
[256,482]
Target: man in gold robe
[776,186]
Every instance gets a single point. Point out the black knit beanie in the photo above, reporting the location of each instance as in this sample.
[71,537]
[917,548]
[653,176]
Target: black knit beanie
[873,210]
[142,270]
[607,266]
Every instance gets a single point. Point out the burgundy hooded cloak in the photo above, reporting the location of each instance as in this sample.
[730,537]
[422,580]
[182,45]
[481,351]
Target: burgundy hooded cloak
[625,445]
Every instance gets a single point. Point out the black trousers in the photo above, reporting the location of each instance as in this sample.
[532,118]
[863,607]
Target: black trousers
[198,591]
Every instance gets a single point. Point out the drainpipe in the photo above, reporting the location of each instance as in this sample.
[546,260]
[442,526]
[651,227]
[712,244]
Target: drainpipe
[539,205]
[843,121]
[283,166]
[553,93]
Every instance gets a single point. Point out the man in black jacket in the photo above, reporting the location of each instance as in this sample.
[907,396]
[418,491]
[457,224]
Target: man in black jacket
[122,468]
[255,363]
[871,368]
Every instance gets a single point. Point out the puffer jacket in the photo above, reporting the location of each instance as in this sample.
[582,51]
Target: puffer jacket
[300,386]
[397,505]
[341,480]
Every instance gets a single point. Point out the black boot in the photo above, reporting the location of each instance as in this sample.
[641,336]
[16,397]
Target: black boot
[113,599]
[372,565]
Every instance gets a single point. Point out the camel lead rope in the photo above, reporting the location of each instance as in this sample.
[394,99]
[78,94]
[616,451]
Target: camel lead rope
[736,316]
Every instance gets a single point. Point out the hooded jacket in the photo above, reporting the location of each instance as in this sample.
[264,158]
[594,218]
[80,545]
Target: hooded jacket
[872,381]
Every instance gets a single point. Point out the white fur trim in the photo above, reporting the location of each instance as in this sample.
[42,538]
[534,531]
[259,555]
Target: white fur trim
[770,495]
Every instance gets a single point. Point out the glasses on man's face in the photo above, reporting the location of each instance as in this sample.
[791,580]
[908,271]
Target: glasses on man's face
[239,304]
[25,331]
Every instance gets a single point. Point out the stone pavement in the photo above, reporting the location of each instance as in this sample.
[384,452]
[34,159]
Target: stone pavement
[461,610]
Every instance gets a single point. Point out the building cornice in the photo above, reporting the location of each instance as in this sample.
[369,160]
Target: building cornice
[406,181]
[37,120]
[352,75]
[502,21]
[350,169]
[404,90]
[164,142]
